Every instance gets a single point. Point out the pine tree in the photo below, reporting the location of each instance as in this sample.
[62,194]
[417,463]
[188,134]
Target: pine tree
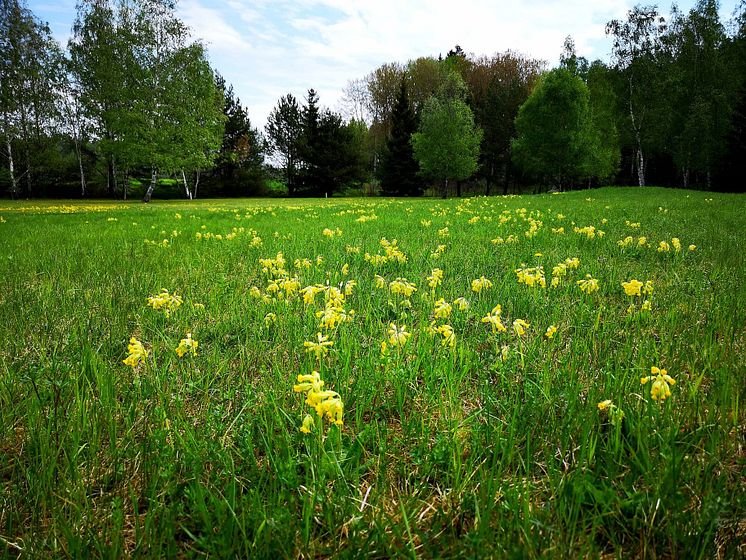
[399,170]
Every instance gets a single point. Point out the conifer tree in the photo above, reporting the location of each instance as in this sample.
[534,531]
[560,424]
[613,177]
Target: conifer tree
[399,170]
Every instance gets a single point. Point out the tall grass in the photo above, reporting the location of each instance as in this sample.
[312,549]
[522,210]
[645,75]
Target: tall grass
[495,448]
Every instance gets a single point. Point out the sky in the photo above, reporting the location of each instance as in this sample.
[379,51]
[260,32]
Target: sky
[268,48]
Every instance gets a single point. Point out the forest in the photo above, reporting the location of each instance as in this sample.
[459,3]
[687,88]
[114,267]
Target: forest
[131,108]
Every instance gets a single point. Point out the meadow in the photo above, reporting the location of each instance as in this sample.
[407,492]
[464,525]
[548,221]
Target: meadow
[528,376]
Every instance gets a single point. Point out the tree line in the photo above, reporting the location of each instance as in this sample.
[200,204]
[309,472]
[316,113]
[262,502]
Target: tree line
[132,104]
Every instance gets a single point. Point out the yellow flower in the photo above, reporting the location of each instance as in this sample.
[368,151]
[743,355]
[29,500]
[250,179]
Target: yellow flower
[449,338]
[646,306]
[480,284]
[308,423]
[603,405]
[648,288]
[663,247]
[403,287]
[398,336]
[320,347]
[345,269]
[435,278]
[270,318]
[187,346]
[632,288]
[309,293]
[662,382]
[461,303]
[137,353]
[589,285]
[493,318]
[551,330]
[692,247]
[380,281]
[520,326]
[442,309]
[676,244]
[165,302]
[309,382]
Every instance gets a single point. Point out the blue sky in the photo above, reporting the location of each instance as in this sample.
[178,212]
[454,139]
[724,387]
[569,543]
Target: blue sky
[267,48]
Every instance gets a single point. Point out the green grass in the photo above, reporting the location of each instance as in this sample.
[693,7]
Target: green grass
[493,449]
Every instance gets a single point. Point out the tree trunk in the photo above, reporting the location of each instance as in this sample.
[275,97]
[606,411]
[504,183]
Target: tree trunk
[111,177]
[445,189]
[79,153]
[685,177]
[11,169]
[458,189]
[638,140]
[186,186]
[125,184]
[196,182]
[151,187]
[640,167]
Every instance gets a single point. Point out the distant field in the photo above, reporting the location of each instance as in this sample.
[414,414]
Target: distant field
[467,434]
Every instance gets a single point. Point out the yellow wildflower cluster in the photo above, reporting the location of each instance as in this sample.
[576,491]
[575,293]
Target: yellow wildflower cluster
[187,346]
[398,335]
[327,404]
[402,286]
[136,353]
[551,330]
[662,382]
[507,240]
[480,284]
[493,318]
[319,347]
[588,285]
[331,233]
[520,326]
[220,237]
[531,277]
[533,229]
[435,279]
[392,253]
[165,302]
[635,288]
[589,231]
[629,241]
[439,250]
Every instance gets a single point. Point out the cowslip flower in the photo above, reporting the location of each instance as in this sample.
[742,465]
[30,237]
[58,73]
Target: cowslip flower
[662,382]
[632,288]
[676,243]
[320,347]
[165,302]
[461,303]
[588,285]
[692,247]
[187,346]
[270,318]
[616,414]
[449,337]
[494,320]
[480,284]
[436,278]
[398,336]
[551,330]
[442,309]
[520,326]
[137,353]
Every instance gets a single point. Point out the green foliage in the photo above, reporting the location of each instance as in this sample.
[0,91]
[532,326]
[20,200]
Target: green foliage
[557,140]
[447,143]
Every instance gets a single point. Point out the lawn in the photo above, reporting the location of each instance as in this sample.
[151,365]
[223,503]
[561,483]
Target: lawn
[482,363]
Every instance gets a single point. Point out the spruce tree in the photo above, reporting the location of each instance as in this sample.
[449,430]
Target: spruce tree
[399,170]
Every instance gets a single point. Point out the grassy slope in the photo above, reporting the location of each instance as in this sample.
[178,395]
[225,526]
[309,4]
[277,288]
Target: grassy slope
[443,454]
